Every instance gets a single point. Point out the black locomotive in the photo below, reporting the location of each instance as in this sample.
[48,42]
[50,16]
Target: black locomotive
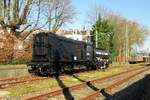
[53,54]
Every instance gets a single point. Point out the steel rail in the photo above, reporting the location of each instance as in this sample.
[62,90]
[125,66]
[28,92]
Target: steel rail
[20,81]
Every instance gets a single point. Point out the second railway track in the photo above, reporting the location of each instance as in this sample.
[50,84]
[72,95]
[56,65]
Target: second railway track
[99,92]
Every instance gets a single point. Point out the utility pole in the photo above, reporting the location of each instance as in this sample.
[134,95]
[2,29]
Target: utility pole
[126,43]
[96,33]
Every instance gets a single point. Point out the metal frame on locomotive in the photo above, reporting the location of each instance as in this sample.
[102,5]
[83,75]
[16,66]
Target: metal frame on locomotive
[53,54]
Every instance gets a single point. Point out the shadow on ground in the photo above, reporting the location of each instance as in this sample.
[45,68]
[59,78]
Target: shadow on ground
[87,83]
[146,64]
[66,92]
[139,90]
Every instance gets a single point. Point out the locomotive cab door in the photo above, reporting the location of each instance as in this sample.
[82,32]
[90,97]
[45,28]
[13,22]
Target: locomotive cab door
[89,52]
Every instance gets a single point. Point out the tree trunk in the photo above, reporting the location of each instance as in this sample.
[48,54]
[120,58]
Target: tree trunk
[9,45]
[120,54]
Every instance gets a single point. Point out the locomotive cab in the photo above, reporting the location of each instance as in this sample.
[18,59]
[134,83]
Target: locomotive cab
[40,59]
[40,48]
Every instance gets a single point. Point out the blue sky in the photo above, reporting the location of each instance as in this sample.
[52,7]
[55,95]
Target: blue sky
[137,10]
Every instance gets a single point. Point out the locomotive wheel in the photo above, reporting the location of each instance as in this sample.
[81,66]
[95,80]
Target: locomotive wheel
[31,69]
[43,70]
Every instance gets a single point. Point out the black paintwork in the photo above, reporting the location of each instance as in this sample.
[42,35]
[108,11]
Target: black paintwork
[51,51]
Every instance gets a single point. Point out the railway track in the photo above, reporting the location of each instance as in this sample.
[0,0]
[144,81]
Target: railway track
[11,82]
[12,78]
[82,84]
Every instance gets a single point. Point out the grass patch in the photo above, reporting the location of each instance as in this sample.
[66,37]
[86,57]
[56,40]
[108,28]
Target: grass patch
[51,83]
[23,89]
[106,72]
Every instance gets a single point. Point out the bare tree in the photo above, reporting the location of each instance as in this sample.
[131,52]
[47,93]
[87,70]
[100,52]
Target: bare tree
[25,16]
[95,11]
[13,14]
[57,13]
[15,19]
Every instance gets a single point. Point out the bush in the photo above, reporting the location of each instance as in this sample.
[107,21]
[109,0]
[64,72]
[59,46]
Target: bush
[14,62]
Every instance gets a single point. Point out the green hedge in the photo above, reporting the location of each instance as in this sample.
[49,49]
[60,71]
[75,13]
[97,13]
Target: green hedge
[14,62]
